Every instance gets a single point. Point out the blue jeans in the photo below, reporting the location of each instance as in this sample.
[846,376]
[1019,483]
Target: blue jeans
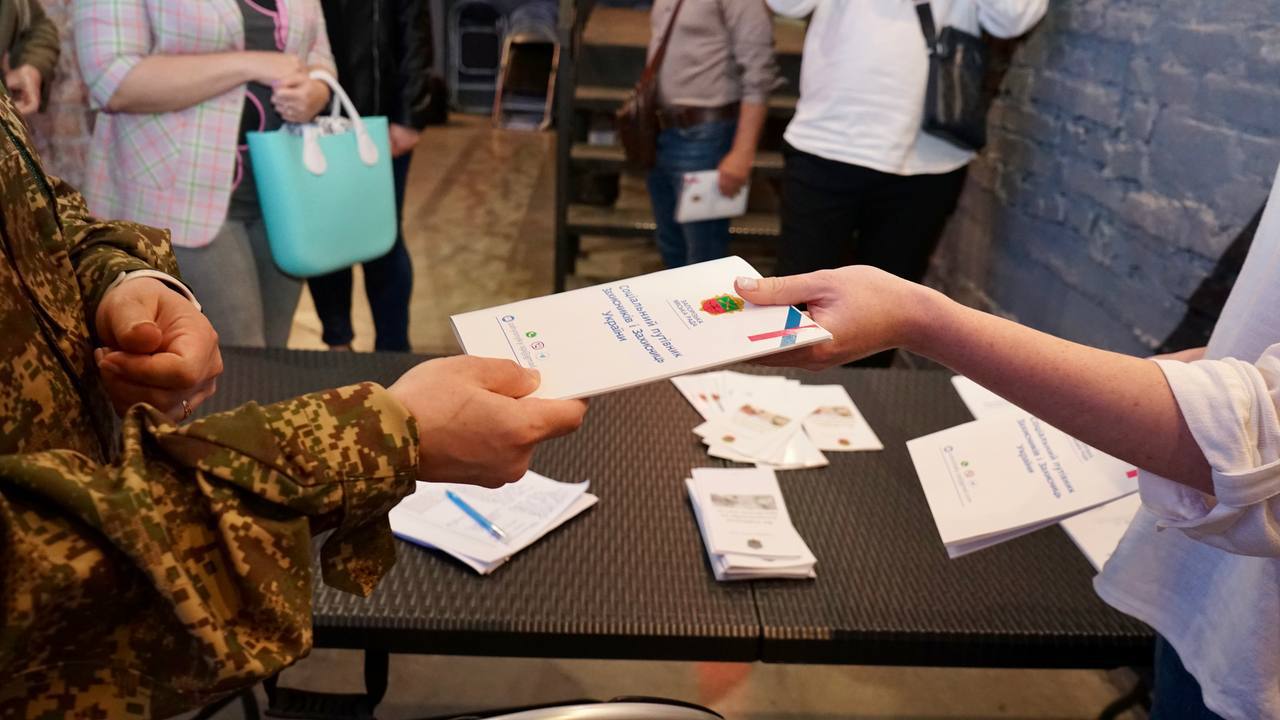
[388,283]
[1177,694]
[682,150]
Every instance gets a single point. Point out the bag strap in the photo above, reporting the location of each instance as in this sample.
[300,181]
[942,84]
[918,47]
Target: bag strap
[651,70]
[924,11]
[312,156]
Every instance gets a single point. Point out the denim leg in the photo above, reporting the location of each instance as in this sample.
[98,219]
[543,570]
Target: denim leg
[669,236]
[682,150]
[388,280]
[388,283]
[706,240]
[331,294]
[1177,694]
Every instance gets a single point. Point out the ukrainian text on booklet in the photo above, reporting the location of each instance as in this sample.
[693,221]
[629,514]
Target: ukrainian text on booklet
[1096,532]
[631,332]
[1009,474]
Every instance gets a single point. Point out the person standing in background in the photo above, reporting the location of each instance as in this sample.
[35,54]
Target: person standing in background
[863,183]
[179,82]
[712,86]
[30,42]
[62,129]
[383,51]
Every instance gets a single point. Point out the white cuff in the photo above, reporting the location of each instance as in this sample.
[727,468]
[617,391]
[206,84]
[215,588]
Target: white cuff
[165,278]
[1228,407]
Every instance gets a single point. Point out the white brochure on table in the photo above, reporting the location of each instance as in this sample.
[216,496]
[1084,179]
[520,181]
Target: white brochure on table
[526,510]
[631,332]
[1096,532]
[1009,474]
[745,525]
[700,198]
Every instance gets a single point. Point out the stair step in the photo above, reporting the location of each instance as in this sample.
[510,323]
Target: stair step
[638,222]
[629,27]
[600,97]
[612,158]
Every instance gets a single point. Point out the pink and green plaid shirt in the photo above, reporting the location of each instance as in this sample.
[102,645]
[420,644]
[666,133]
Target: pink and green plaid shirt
[171,170]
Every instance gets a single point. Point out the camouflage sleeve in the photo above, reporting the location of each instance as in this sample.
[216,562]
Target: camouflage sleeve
[185,567]
[101,250]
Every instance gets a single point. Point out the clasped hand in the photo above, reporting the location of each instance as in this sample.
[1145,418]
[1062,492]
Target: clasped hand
[156,348]
[295,95]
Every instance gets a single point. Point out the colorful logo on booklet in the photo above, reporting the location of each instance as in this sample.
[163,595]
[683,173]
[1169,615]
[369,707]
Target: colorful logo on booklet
[723,304]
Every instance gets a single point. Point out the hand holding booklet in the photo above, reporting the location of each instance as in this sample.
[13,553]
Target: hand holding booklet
[600,339]
[701,199]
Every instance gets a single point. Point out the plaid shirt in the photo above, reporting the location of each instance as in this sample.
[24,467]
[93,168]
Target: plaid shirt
[175,169]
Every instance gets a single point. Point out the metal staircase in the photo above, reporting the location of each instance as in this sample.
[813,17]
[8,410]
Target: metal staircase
[597,199]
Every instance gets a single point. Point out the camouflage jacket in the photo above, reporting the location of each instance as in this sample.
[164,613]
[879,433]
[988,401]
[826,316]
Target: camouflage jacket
[177,568]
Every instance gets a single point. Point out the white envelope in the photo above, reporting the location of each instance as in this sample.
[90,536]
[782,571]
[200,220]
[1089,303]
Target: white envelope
[700,198]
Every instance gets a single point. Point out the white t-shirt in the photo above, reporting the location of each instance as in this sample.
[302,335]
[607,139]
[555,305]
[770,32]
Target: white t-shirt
[1205,571]
[864,73]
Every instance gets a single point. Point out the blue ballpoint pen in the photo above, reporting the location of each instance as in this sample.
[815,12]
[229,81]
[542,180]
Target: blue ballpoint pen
[474,514]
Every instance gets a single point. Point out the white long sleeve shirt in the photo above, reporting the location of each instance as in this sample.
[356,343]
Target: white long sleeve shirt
[864,74]
[1205,571]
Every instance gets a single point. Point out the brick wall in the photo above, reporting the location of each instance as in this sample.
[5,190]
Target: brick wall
[1130,143]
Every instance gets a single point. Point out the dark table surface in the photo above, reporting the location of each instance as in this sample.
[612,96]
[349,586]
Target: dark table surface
[629,578]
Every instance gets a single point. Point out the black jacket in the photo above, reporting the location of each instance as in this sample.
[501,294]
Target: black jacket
[383,52]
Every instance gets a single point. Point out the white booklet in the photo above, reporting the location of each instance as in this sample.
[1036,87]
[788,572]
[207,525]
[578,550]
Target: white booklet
[631,332]
[525,510]
[700,198]
[1096,532]
[1009,474]
[745,525]
[759,419]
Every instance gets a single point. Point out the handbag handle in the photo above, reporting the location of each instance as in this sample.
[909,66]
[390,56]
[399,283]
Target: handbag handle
[312,156]
[924,11]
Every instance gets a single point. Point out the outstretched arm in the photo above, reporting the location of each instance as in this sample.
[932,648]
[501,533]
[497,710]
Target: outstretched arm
[1119,404]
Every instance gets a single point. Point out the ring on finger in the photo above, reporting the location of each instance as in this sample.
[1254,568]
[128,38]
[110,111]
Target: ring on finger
[186,409]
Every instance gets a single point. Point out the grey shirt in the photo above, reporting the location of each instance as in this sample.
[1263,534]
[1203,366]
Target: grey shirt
[721,51]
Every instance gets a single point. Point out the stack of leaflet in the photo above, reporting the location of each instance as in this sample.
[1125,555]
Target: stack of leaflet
[774,421]
[1008,474]
[524,511]
[745,525]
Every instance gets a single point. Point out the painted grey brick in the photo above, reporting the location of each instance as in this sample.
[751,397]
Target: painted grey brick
[1131,141]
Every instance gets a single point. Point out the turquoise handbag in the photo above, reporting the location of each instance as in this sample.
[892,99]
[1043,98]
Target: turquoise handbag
[327,195]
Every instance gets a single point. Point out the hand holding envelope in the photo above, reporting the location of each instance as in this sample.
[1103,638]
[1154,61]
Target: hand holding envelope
[701,198]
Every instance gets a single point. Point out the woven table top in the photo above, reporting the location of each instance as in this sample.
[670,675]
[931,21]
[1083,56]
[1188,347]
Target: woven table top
[629,578]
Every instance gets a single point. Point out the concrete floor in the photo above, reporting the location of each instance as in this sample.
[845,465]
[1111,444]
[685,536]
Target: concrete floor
[479,225]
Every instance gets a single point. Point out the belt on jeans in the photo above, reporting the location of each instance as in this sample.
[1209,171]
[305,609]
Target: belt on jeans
[680,116]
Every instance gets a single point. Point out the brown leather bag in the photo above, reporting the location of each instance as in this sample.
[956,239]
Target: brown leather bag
[637,119]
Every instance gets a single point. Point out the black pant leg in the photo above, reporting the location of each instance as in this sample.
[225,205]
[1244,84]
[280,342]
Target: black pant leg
[904,219]
[332,296]
[820,207]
